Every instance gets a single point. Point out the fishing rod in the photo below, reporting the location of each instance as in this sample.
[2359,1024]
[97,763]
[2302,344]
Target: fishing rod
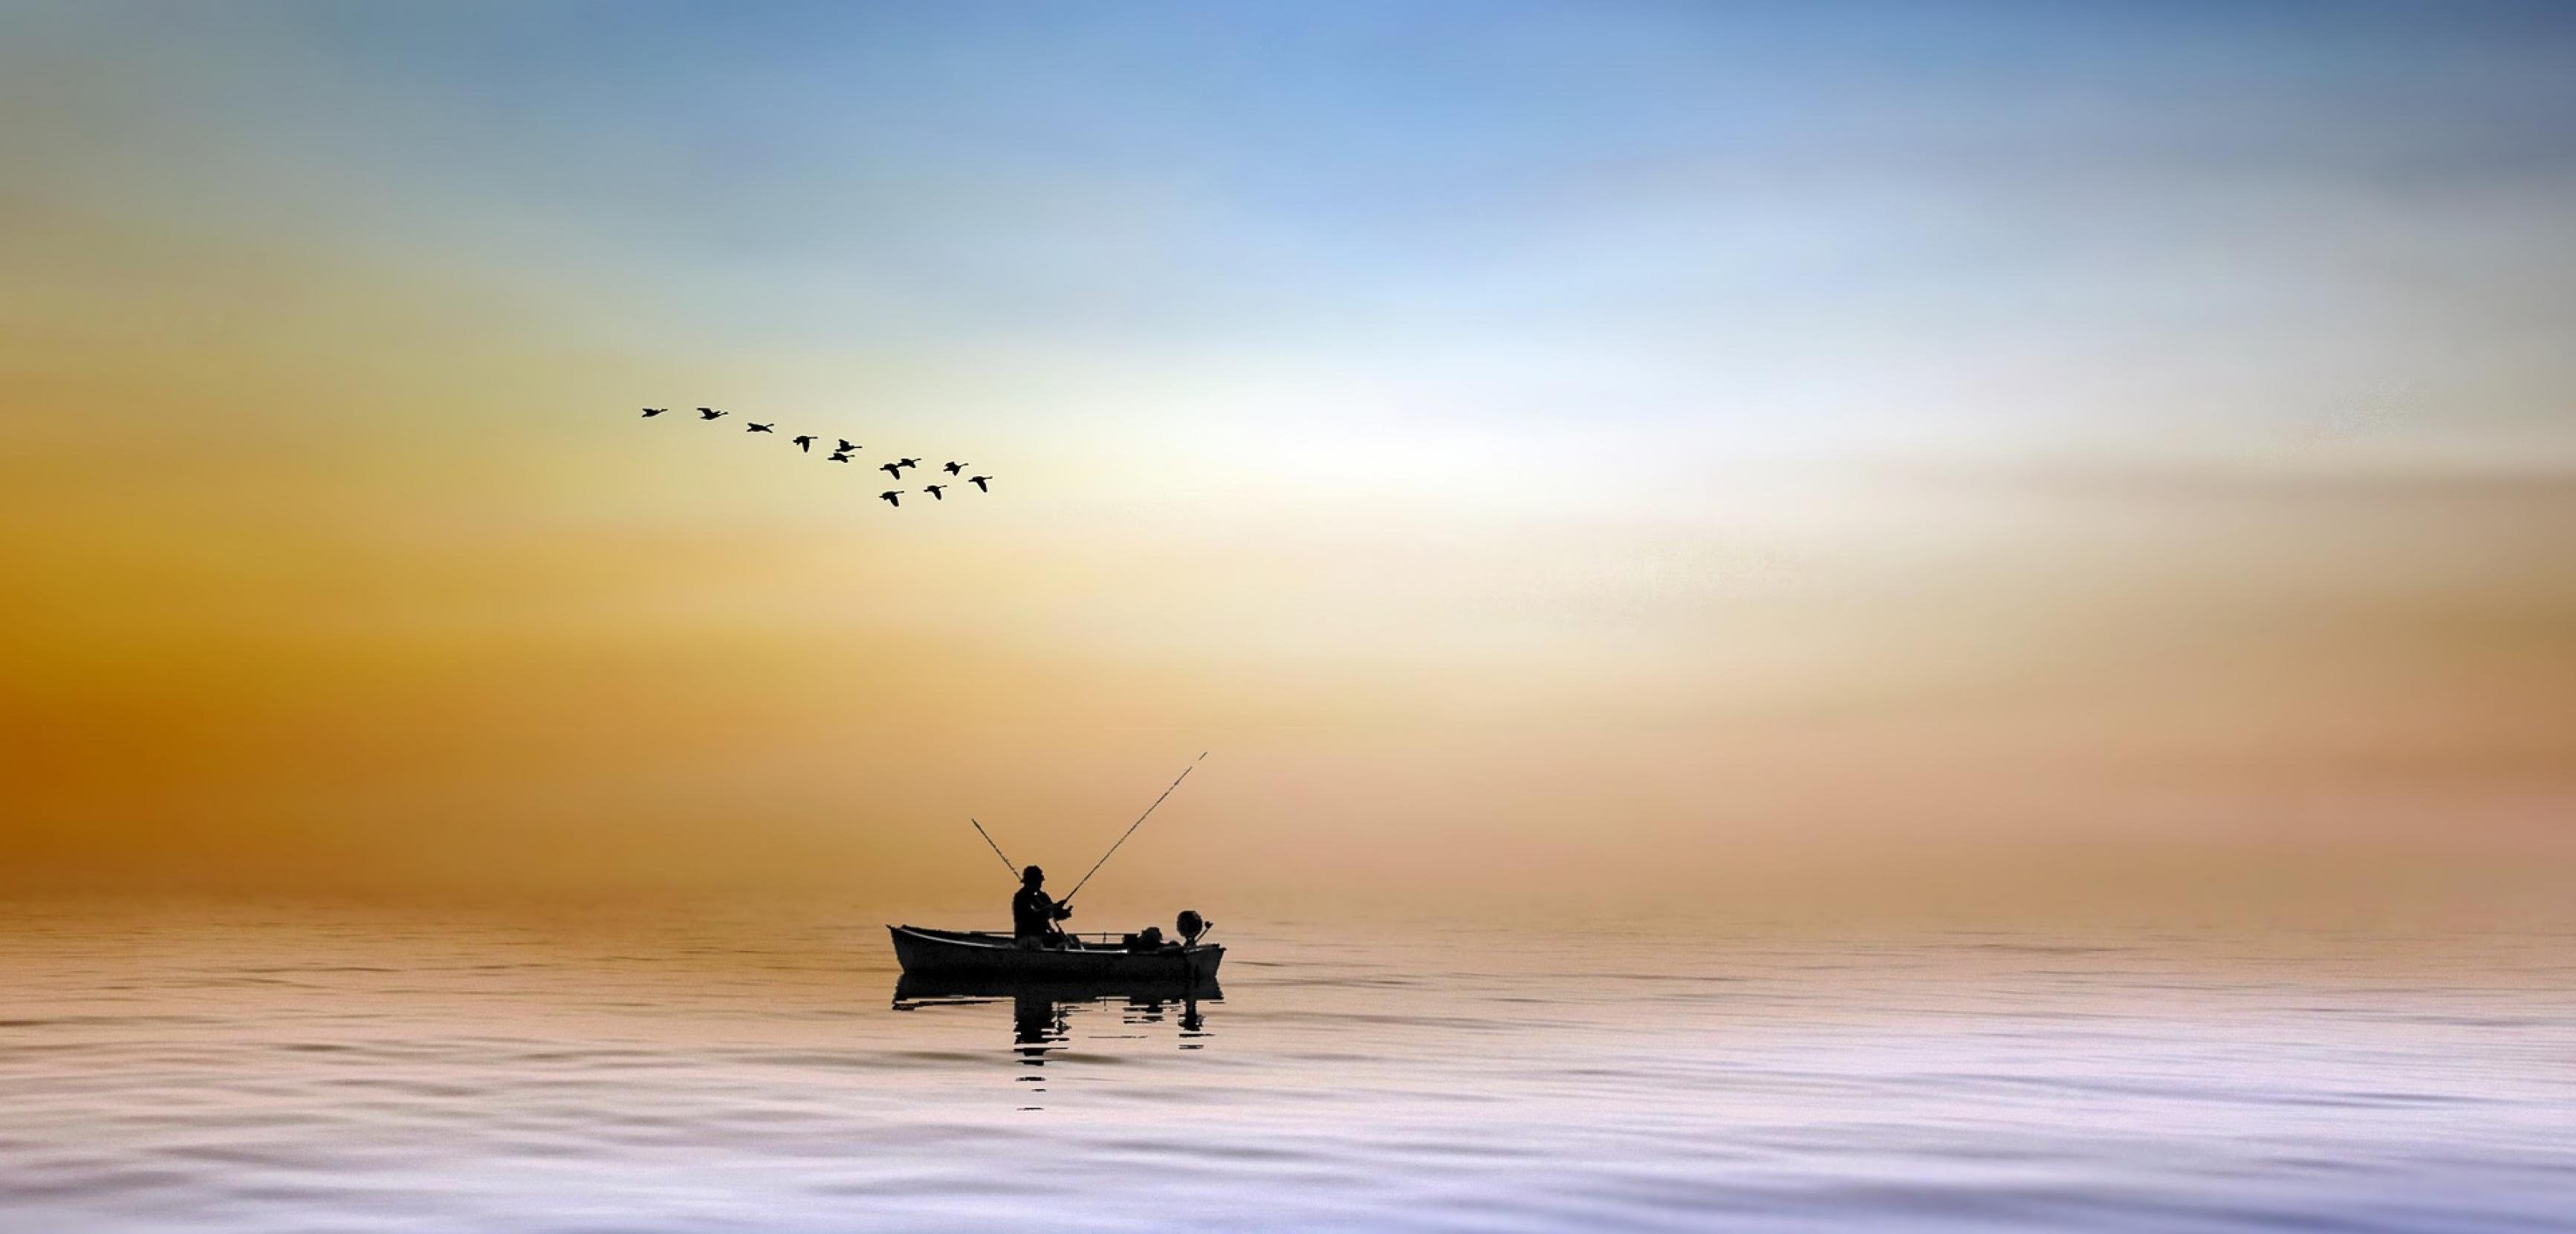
[997,849]
[1131,828]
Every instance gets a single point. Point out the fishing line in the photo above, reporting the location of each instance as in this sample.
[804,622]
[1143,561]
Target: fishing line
[1131,828]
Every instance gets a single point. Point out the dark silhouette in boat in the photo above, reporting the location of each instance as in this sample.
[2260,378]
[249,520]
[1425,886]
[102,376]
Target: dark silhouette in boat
[1036,949]
[951,955]
[1034,912]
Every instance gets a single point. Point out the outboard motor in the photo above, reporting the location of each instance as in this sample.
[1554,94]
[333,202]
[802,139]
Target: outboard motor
[1190,925]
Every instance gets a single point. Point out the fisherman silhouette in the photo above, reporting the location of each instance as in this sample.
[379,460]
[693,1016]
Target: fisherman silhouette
[1034,912]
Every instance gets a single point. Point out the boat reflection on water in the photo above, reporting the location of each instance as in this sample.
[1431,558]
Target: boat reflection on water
[1042,1013]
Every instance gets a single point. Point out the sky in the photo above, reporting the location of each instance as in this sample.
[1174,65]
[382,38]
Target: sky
[1602,453]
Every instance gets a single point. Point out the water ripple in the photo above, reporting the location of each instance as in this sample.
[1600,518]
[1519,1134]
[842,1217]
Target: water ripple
[328,1070]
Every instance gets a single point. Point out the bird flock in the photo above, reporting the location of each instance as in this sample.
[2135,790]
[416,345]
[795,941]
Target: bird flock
[845,450]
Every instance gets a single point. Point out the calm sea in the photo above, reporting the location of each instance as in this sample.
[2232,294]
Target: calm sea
[228,1069]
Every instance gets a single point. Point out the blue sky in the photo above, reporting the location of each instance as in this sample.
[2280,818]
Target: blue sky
[1980,219]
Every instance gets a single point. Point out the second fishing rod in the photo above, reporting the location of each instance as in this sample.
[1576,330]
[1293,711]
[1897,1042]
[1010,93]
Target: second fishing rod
[1113,848]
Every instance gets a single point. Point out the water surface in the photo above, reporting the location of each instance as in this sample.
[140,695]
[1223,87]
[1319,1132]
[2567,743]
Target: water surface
[220,1069]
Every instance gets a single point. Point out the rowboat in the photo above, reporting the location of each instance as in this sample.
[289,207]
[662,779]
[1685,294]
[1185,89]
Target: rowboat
[929,953]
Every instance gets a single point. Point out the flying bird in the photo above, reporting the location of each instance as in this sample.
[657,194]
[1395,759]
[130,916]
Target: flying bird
[843,450]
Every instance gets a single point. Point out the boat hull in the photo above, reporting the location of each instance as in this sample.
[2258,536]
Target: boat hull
[954,954]
[915,990]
